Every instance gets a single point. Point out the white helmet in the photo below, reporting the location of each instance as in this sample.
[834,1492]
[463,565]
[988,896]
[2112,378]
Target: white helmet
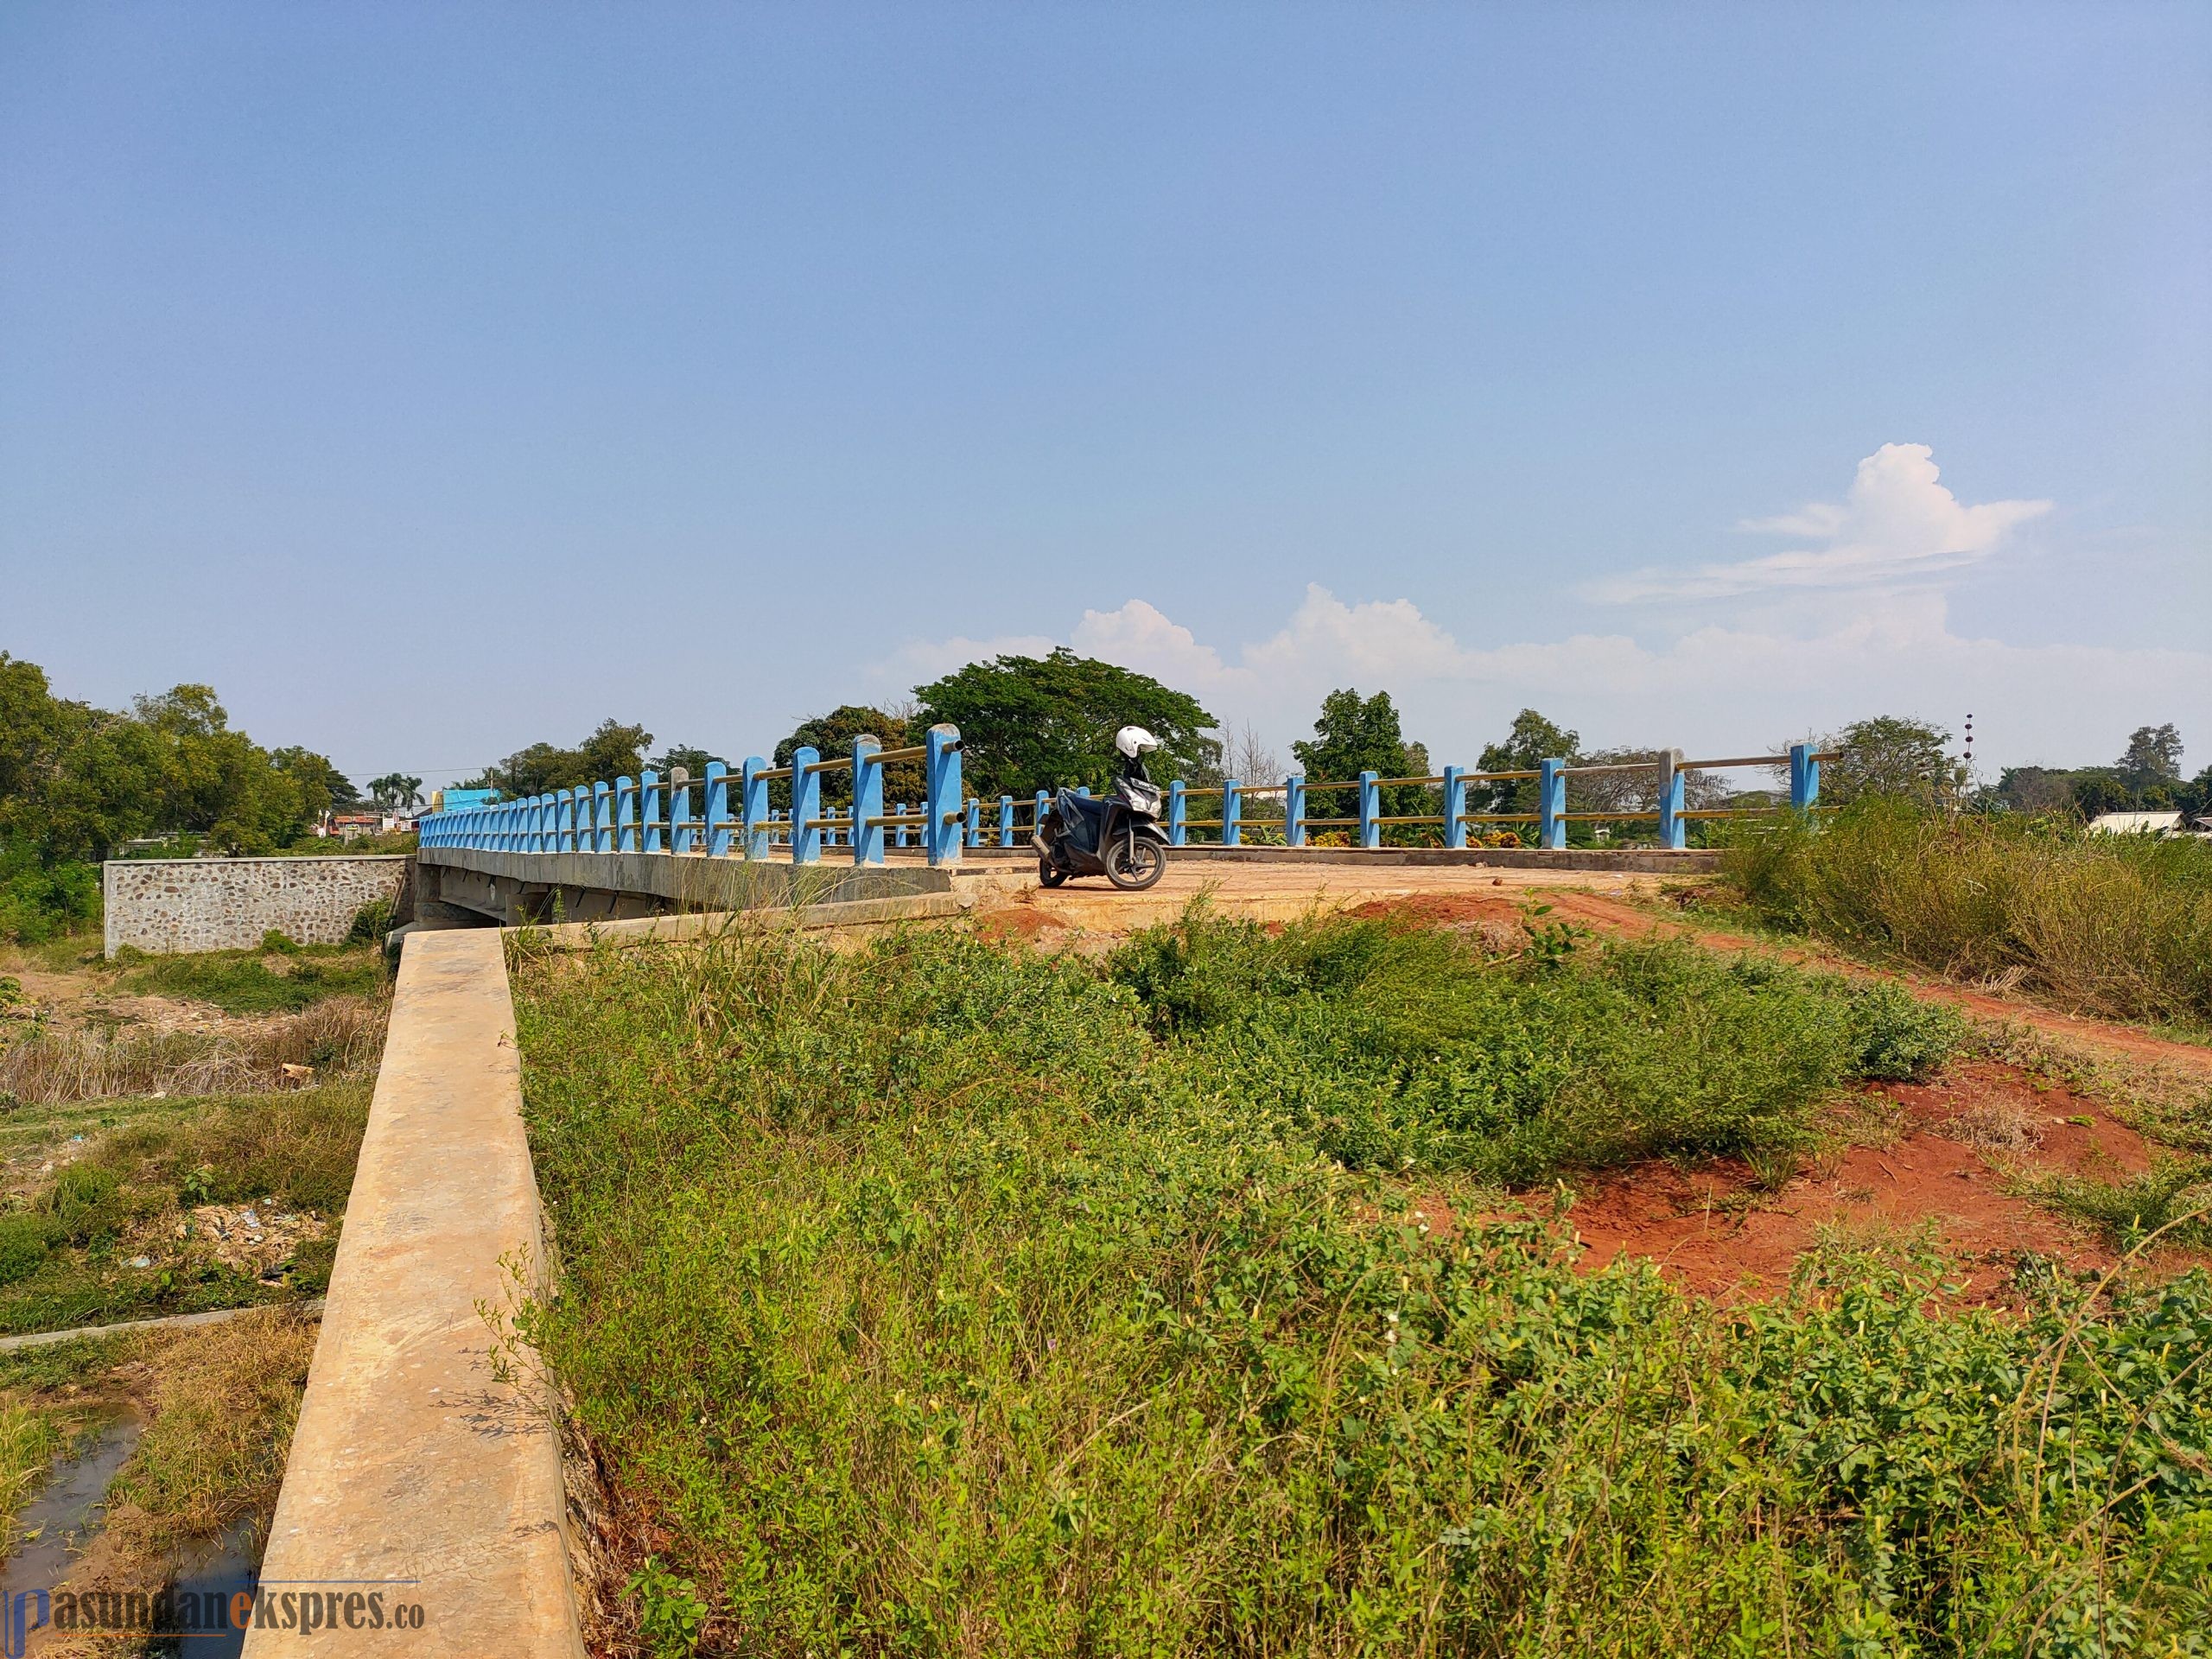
[1133,740]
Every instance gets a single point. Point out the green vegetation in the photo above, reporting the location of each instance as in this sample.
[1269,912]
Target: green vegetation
[941,1299]
[279,977]
[1046,723]
[41,901]
[2119,925]
[76,781]
[110,1234]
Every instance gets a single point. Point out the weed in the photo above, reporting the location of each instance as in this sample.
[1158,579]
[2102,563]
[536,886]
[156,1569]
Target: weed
[338,1038]
[2120,925]
[2174,1193]
[671,1615]
[64,1260]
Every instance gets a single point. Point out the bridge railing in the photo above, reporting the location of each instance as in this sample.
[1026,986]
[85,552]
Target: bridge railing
[1452,791]
[724,814]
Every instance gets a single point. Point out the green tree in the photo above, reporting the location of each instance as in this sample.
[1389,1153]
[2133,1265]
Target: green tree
[323,788]
[2153,756]
[395,791]
[613,751]
[1352,735]
[693,759]
[1889,754]
[2099,792]
[1531,740]
[831,735]
[1042,722]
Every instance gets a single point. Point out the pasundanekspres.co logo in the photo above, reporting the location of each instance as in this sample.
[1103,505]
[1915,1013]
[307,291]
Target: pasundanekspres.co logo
[304,1605]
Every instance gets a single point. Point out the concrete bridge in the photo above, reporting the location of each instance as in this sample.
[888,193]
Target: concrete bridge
[625,848]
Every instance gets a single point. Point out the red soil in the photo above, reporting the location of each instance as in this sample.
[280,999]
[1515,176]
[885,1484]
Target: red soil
[1711,1230]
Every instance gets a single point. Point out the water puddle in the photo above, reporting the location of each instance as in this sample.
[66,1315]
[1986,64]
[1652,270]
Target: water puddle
[57,1522]
[221,1571]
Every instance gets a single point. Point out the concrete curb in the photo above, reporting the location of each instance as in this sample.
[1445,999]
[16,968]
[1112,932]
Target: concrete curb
[420,1470]
[166,1322]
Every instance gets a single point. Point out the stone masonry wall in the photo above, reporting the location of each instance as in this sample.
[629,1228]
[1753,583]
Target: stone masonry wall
[164,906]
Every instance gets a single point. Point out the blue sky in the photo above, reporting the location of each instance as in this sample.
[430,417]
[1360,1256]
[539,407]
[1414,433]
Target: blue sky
[434,380]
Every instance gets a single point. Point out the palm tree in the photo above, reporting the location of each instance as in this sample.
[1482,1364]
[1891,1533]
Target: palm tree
[395,792]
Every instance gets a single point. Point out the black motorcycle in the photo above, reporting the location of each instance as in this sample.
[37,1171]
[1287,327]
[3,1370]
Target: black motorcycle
[1117,836]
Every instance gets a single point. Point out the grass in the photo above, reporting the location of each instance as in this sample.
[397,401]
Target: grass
[119,1193]
[281,977]
[218,1404]
[53,1067]
[941,1299]
[2116,926]
[225,1400]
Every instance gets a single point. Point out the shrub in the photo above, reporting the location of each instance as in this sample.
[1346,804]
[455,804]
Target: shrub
[1901,1038]
[246,982]
[40,901]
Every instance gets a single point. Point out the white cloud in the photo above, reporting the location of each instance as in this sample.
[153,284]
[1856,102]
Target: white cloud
[1882,641]
[1898,525]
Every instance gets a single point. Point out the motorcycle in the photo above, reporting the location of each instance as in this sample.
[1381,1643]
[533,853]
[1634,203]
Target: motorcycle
[1117,836]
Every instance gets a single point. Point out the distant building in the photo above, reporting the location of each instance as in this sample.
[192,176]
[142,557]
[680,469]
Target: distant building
[459,800]
[2150,823]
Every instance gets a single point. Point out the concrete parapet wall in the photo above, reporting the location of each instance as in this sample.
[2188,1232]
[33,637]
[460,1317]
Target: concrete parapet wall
[420,1470]
[164,906]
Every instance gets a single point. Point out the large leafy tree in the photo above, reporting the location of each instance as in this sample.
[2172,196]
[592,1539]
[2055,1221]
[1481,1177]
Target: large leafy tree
[1531,740]
[831,735]
[77,781]
[2153,756]
[1353,735]
[1042,722]
[1889,754]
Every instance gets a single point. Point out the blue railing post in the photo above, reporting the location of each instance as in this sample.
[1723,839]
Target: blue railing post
[564,837]
[1232,813]
[679,810]
[1551,802]
[649,810]
[942,790]
[1804,778]
[602,819]
[1370,809]
[1455,807]
[1039,805]
[868,801]
[1006,820]
[752,808]
[974,822]
[1293,810]
[626,815]
[1672,831]
[899,811]
[542,841]
[716,822]
[1176,812]
[806,806]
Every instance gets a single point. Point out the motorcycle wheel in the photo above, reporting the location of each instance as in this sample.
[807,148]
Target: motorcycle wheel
[1050,873]
[1132,867]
